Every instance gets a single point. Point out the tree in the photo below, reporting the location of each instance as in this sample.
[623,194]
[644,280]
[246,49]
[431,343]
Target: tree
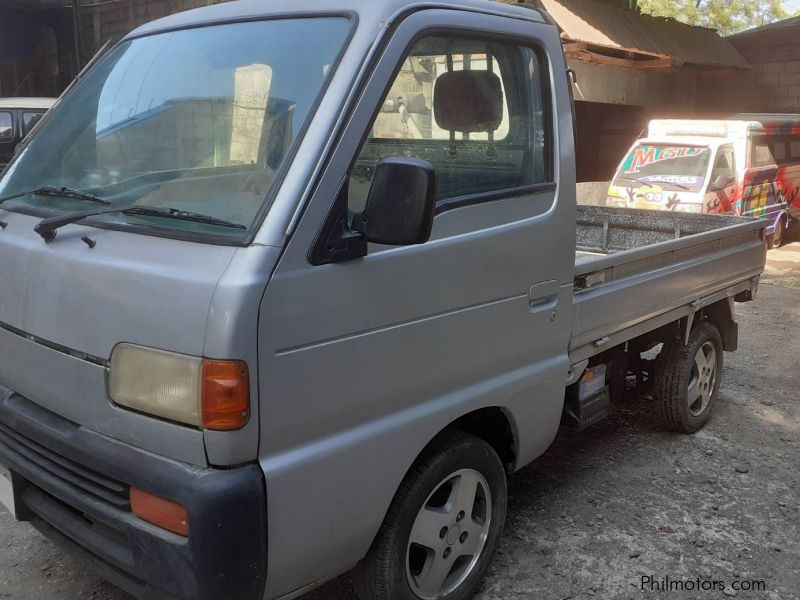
[728,16]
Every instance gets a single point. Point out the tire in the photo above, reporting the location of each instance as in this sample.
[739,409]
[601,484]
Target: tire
[687,379]
[428,508]
[776,239]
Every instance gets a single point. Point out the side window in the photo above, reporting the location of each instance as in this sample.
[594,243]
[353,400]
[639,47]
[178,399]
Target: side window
[6,126]
[29,120]
[762,153]
[794,148]
[724,165]
[779,151]
[472,108]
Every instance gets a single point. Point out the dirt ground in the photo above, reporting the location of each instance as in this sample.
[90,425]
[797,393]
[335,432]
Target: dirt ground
[619,502]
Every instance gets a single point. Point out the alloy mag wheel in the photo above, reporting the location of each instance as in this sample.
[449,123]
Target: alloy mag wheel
[449,534]
[777,236]
[702,379]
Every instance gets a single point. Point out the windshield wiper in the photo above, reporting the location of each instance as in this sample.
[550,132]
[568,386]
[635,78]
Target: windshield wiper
[639,181]
[58,192]
[677,185]
[47,227]
[656,181]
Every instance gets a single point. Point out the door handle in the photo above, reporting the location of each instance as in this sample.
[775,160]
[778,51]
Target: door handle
[543,296]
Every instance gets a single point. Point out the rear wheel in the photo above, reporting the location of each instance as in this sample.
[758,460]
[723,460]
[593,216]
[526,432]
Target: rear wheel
[776,239]
[442,528]
[688,379]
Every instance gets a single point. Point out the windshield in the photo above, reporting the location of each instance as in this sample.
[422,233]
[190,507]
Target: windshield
[197,120]
[671,166]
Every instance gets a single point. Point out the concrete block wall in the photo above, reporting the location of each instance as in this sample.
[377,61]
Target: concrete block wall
[774,82]
[605,132]
[776,86]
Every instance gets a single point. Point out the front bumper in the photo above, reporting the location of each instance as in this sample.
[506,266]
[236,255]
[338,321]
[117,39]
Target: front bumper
[73,485]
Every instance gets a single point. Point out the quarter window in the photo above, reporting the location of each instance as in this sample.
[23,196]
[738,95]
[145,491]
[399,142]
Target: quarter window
[473,108]
[6,126]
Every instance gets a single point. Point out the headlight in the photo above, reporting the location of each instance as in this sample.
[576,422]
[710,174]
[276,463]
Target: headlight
[690,207]
[205,393]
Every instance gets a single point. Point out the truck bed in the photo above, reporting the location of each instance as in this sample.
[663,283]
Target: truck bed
[636,270]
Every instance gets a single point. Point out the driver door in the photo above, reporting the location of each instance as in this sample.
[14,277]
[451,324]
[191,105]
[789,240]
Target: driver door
[363,361]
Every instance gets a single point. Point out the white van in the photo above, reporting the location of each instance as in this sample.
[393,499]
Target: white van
[748,166]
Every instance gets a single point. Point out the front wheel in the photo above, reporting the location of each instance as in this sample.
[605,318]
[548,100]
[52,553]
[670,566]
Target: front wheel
[687,379]
[442,528]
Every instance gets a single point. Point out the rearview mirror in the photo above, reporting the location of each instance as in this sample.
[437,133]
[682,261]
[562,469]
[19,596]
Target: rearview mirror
[400,204]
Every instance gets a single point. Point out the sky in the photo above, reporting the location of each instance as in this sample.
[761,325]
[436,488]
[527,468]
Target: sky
[791,5]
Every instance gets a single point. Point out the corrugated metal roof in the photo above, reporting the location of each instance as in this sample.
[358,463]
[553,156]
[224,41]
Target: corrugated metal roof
[604,25]
[778,26]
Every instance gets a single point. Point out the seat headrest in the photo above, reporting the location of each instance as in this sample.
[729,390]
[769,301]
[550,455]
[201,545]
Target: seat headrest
[468,101]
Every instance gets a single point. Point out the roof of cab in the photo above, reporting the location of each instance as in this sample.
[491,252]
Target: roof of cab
[684,140]
[33,103]
[371,12]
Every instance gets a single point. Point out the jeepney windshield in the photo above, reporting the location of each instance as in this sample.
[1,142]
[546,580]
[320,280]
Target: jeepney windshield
[198,120]
[678,167]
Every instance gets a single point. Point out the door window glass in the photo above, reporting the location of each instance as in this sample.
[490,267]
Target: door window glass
[472,108]
[724,165]
[6,126]
[29,121]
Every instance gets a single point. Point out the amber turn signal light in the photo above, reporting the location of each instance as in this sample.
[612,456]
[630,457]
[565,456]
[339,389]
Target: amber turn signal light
[167,514]
[225,397]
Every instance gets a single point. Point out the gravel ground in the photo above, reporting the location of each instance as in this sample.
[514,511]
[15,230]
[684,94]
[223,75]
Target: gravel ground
[620,501]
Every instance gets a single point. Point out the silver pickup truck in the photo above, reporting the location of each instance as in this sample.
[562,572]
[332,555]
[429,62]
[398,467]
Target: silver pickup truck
[288,289]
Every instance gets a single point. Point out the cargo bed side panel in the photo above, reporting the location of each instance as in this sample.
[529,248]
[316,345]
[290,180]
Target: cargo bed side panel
[632,287]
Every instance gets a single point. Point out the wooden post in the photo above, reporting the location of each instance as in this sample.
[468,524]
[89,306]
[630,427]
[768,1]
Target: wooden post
[78,33]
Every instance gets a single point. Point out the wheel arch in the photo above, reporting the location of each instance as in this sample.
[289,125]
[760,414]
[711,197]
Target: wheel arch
[492,424]
[721,314]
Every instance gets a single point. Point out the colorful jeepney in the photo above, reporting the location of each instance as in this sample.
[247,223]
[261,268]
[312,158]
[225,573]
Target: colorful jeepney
[749,165]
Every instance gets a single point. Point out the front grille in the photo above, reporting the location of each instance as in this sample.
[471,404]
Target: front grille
[86,480]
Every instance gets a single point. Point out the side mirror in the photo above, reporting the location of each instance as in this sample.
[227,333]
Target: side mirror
[720,182]
[400,204]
